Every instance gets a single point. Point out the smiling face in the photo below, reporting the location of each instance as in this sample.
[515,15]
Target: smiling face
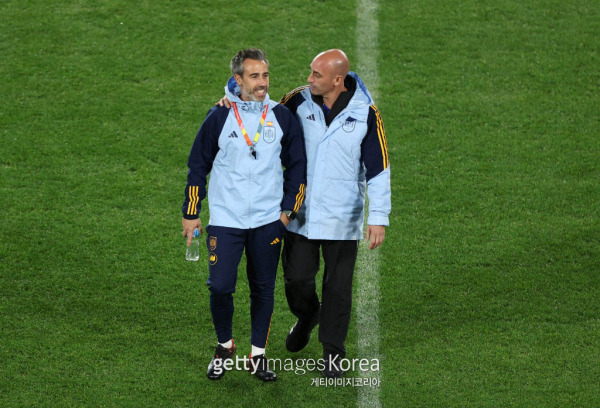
[254,81]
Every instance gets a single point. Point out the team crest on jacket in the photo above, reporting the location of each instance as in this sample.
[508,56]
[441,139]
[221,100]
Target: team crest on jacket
[212,243]
[269,134]
[212,258]
[349,124]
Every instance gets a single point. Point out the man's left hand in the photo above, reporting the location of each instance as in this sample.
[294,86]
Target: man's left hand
[375,235]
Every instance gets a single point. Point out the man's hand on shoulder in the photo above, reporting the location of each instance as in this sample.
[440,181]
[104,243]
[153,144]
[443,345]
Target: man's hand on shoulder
[224,102]
[375,235]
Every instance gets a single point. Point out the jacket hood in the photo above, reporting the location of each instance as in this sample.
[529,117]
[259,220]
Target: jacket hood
[361,97]
[233,92]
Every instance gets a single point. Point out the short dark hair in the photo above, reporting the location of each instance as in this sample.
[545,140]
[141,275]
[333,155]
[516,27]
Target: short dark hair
[237,62]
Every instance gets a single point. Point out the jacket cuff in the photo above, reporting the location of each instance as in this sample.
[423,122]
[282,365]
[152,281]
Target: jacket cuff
[378,219]
[190,217]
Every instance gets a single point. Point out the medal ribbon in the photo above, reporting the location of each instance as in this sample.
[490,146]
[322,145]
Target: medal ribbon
[243,129]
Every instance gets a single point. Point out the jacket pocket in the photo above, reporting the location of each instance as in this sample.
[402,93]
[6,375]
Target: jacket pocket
[344,159]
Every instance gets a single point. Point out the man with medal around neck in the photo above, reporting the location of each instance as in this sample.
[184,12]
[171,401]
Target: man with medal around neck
[256,158]
[348,159]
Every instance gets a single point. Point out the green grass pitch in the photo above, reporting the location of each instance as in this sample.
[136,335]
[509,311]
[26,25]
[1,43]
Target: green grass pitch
[490,273]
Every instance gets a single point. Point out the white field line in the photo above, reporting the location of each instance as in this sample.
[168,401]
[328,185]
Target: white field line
[367,272]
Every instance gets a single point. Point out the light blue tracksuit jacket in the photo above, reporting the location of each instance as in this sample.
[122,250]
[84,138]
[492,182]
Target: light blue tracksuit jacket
[246,191]
[344,160]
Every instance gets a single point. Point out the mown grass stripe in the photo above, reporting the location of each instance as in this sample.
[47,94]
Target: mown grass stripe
[368,263]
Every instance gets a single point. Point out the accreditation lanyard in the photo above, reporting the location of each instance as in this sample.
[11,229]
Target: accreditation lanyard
[243,129]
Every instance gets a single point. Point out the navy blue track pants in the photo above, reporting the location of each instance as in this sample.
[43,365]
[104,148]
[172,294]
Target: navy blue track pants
[225,247]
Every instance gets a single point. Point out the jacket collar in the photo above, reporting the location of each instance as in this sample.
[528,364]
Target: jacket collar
[356,97]
[340,103]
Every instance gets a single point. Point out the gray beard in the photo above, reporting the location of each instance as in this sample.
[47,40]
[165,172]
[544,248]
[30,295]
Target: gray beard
[250,96]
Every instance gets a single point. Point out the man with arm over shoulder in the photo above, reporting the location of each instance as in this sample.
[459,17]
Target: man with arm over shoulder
[347,157]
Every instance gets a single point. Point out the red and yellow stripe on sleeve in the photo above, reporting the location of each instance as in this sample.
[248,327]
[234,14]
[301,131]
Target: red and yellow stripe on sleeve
[382,138]
[290,94]
[193,200]
[300,197]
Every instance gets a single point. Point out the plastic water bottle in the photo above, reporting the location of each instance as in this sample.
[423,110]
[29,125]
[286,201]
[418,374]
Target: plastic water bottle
[192,252]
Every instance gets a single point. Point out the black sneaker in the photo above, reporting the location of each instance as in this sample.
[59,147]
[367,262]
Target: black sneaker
[259,367]
[299,334]
[333,367]
[216,368]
